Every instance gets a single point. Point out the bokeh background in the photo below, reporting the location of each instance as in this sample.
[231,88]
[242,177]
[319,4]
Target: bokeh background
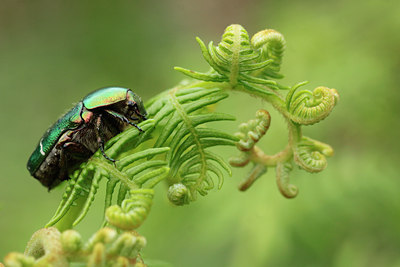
[52,53]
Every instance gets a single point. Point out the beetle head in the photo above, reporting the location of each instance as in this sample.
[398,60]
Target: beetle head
[136,107]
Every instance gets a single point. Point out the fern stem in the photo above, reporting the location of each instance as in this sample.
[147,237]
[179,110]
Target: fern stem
[207,85]
[274,99]
[257,155]
[236,46]
[115,173]
[256,173]
[294,129]
[193,131]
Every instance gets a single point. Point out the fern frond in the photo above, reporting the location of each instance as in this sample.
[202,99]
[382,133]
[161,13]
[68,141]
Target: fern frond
[283,170]
[252,131]
[91,196]
[271,45]
[180,117]
[78,187]
[133,210]
[256,172]
[234,60]
[308,107]
[131,172]
[310,154]
[178,194]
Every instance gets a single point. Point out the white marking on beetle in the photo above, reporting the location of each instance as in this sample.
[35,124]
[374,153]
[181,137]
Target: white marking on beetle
[41,148]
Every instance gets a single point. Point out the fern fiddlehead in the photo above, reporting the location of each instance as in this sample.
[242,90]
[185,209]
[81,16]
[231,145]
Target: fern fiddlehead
[308,107]
[283,170]
[49,247]
[178,194]
[133,210]
[272,45]
[310,154]
[232,61]
[251,132]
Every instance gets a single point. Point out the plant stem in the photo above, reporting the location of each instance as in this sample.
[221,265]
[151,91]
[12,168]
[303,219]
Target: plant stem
[116,173]
[258,156]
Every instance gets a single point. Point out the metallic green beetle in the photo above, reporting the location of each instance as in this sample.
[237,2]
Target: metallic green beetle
[84,129]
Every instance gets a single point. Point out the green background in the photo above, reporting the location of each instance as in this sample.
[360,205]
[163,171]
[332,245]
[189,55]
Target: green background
[52,53]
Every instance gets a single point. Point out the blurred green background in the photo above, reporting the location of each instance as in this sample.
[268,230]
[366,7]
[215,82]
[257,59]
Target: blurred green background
[54,52]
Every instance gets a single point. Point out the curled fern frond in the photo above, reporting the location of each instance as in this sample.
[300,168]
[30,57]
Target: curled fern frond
[180,116]
[272,45]
[97,257]
[252,131]
[105,235]
[105,246]
[49,247]
[47,242]
[127,245]
[233,60]
[133,210]
[239,161]
[311,154]
[256,172]
[249,134]
[178,194]
[71,241]
[283,170]
[311,107]
[18,259]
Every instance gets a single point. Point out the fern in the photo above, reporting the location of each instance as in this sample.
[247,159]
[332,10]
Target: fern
[271,45]
[181,117]
[236,61]
[176,146]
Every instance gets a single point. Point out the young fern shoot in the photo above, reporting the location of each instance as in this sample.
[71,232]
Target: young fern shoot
[175,146]
[249,67]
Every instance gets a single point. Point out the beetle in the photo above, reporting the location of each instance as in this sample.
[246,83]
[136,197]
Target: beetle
[84,129]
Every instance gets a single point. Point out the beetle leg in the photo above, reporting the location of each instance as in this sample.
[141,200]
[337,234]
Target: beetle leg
[76,150]
[123,118]
[71,153]
[63,169]
[100,140]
